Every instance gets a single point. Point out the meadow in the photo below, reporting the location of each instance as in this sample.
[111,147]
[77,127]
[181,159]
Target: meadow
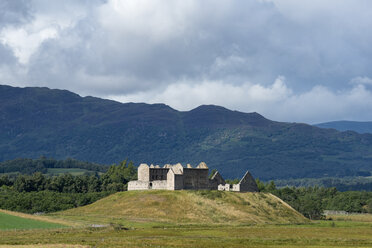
[351,217]
[124,220]
[320,234]
[8,221]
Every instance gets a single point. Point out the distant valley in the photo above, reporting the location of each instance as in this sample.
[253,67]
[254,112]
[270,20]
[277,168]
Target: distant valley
[356,126]
[60,124]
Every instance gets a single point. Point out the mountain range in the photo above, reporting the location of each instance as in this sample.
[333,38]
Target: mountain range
[57,123]
[356,126]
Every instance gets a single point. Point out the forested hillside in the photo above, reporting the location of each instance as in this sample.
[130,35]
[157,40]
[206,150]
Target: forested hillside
[29,166]
[59,124]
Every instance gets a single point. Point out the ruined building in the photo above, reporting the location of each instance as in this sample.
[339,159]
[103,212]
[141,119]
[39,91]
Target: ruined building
[177,177]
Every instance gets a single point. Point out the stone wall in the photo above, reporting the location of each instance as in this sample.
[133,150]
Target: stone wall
[143,172]
[236,187]
[158,184]
[215,181]
[248,184]
[138,185]
[224,187]
[229,187]
[174,181]
[194,178]
[178,182]
[158,174]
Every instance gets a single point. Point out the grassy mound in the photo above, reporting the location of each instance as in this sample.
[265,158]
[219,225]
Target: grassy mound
[186,207]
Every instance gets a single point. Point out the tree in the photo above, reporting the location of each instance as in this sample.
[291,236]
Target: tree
[117,176]
[369,207]
[260,185]
[271,187]
[5,181]
[311,206]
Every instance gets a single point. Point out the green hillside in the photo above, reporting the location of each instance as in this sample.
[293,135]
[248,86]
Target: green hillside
[186,207]
[60,124]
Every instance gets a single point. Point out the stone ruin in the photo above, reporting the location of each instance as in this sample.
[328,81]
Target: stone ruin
[177,177]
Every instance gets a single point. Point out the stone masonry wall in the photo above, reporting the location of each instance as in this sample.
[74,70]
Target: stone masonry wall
[174,181]
[143,172]
[158,184]
[194,178]
[158,174]
[138,185]
[248,184]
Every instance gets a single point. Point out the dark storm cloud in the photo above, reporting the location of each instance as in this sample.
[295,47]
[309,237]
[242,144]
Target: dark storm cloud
[6,55]
[150,50]
[14,12]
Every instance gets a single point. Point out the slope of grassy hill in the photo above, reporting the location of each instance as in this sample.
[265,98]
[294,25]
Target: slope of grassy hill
[61,124]
[186,207]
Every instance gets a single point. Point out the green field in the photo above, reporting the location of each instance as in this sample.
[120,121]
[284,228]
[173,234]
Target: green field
[190,219]
[314,235]
[8,221]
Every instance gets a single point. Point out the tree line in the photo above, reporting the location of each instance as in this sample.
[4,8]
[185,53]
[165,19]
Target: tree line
[360,183]
[115,179]
[312,201]
[41,193]
[42,164]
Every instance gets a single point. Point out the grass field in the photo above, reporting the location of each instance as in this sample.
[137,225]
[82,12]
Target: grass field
[8,221]
[44,246]
[42,218]
[311,235]
[352,217]
[205,227]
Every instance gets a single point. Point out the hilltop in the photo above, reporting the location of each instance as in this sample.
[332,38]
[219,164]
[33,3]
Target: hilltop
[60,124]
[186,207]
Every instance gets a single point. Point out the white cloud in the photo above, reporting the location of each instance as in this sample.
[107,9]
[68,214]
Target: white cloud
[361,80]
[26,39]
[275,101]
[189,52]
[151,20]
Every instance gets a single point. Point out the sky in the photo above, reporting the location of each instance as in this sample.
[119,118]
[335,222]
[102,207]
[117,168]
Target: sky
[297,61]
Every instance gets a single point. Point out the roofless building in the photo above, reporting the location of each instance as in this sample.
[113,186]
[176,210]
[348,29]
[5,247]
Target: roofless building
[177,177]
